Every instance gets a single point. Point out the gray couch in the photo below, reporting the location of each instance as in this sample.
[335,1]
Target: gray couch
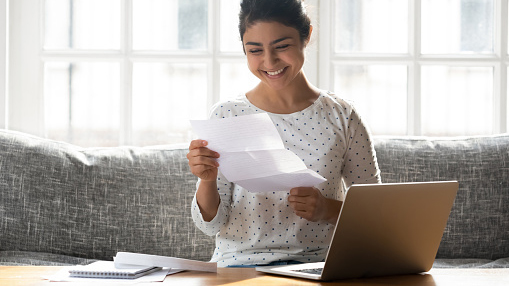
[61,204]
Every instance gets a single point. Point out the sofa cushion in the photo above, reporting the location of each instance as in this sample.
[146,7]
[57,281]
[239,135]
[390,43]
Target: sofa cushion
[478,226]
[471,263]
[90,203]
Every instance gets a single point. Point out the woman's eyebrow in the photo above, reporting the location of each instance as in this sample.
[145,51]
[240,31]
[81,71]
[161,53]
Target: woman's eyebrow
[271,43]
[279,40]
[253,44]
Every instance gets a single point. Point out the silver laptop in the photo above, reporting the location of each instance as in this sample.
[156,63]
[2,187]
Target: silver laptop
[383,229]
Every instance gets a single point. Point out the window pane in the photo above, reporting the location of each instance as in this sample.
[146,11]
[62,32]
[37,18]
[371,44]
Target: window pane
[379,93]
[236,79]
[371,26]
[457,26]
[165,98]
[457,100]
[82,24]
[229,29]
[82,102]
[170,24]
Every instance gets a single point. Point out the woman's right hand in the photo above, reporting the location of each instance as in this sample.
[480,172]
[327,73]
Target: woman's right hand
[202,160]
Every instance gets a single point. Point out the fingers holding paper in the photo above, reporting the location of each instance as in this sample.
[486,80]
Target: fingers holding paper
[203,161]
[310,204]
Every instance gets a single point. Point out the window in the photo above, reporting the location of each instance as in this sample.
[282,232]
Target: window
[425,67]
[133,72]
[117,72]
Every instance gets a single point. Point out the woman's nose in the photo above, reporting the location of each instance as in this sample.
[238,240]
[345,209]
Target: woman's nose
[271,59]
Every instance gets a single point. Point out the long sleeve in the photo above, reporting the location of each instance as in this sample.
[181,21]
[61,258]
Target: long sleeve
[212,227]
[360,164]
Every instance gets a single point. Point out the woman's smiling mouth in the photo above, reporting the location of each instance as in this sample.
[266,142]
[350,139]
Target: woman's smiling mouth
[275,73]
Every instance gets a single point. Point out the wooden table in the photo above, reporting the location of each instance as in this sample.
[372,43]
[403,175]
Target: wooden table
[32,275]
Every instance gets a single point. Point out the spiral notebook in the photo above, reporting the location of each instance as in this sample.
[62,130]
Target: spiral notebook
[107,269]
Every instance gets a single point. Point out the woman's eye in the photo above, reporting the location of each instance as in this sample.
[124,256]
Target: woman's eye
[282,47]
[256,51]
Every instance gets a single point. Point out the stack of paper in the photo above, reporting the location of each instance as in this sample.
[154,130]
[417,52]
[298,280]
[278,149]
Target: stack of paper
[253,155]
[132,266]
[128,258]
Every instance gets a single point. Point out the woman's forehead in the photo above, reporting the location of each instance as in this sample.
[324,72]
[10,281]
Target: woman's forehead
[267,32]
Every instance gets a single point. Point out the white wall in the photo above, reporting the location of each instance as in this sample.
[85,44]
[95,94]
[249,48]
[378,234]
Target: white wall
[4,35]
[25,83]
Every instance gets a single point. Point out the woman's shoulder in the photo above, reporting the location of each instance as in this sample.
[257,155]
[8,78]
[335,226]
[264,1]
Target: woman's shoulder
[332,99]
[229,107]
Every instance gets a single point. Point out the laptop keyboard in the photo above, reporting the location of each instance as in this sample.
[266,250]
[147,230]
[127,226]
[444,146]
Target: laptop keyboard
[316,271]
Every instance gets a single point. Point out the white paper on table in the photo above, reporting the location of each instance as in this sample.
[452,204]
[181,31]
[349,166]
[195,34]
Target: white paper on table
[129,258]
[252,154]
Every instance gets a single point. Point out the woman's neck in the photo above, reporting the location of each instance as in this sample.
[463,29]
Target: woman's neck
[296,97]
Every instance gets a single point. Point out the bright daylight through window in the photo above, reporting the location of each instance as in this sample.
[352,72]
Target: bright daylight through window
[140,70]
[430,73]
[134,72]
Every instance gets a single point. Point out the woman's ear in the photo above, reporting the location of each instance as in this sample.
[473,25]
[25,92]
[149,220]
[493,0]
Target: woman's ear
[309,35]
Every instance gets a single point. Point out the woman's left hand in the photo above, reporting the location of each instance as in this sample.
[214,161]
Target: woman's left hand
[310,204]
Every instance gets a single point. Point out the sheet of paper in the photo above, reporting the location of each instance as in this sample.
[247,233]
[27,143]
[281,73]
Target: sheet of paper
[282,182]
[130,258]
[241,133]
[239,166]
[252,154]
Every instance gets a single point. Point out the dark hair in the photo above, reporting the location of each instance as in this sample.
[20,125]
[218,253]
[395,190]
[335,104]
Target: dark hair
[291,13]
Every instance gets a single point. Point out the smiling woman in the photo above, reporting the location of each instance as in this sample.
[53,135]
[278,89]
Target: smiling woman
[322,129]
[275,54]
[274,39]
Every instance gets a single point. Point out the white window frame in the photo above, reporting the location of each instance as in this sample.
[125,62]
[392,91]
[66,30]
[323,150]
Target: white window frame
[414,61]
[22,106]
[4,56]
[28,57]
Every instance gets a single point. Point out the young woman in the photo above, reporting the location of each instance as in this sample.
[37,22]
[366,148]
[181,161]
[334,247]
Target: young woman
[323,130]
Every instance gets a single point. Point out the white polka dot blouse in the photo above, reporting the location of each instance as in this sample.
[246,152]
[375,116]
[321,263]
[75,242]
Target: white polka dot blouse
[260,228]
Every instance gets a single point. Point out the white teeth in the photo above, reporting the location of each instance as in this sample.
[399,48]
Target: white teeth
[276,72]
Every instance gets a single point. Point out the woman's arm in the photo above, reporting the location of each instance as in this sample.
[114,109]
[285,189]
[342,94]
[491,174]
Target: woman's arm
[207,199]
[203,164]
[360,163]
